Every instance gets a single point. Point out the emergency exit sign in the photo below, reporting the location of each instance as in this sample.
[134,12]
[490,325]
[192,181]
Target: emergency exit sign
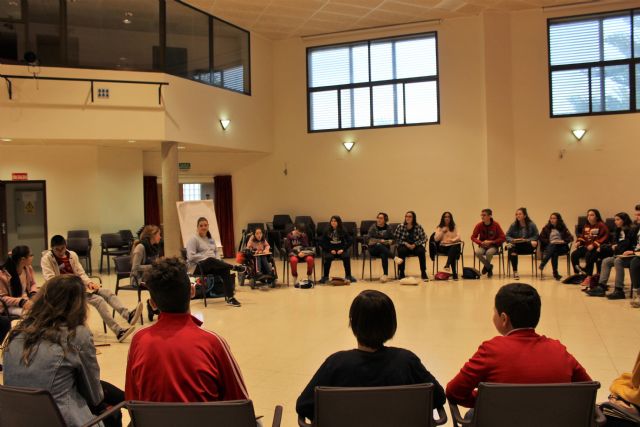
[184,166]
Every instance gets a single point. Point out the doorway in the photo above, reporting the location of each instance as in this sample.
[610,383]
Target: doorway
[23,217]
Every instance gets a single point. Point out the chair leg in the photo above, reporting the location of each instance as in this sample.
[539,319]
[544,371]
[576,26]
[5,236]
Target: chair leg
[363,261]
[101,258]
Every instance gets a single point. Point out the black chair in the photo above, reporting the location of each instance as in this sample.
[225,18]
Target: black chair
[231,413]
[352,229]
[285,258]
[276,229]
[611,226]
[582,220]
[82,247]
[111,245]
[534,262]
[123,272]
[533,405]
[25,407]
[77,233]
[397,406]
[366,254]
[499,254]
[127,238]
[309,224]
[365,225]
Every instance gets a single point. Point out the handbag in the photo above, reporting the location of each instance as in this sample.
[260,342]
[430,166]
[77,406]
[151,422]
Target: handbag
[442,275]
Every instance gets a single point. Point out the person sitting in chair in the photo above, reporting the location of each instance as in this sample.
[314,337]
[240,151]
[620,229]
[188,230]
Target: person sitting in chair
[59,261]
[379,240]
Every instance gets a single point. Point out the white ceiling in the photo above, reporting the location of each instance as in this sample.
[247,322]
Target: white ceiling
[281,19]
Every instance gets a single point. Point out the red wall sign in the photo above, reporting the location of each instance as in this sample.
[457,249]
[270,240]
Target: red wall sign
[19,176]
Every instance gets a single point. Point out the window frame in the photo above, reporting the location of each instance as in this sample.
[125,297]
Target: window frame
[371,84]
[632,62]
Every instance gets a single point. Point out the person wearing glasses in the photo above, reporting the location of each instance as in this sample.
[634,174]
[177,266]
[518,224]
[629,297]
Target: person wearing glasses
[17,283]
[488,237]
[59,261]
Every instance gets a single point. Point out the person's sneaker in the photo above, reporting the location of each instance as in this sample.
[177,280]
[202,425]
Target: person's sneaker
[135,314]
[384,278]
[124,333]
[398,260]
[351,279]
[635,303]
[233,302]
[616,294]
[490,271]
[323,280]
[484,269]
[516,276]
[557,276]
[454,276]
[401,275]
[425,278]
[447,269]
[598,291]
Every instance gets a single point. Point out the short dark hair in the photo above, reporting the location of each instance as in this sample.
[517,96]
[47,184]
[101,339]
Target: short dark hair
[521,303]
[488,211]
[638,207]
[372,318]
[58,240]
[386,217]
[169,285]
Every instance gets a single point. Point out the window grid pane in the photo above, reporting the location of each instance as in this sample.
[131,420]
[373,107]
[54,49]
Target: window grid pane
[591,60]
[191,192]
[350,72]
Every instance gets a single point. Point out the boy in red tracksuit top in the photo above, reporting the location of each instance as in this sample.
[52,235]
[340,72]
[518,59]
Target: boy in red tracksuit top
[519,355]
[488,237]
[175,360]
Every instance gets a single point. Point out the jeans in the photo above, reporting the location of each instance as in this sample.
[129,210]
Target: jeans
[418,251]
[551,252]
[590,257]
[328,257]
[102,299]
[486,254]
[634,272]
[220,268]
[453,254]
[520,248]
[620,264]
[384,253]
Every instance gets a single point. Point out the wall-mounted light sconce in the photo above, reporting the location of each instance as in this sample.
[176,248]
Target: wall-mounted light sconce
[349,145]
[225,124]
[578,133]
[6,139]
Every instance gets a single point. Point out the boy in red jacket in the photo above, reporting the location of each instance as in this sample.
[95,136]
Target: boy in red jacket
[519,355]
[488,237]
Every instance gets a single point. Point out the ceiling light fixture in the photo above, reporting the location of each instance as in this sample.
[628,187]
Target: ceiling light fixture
[349,145]
[6,139]
[579,133]
[225,124]
[181,147]
[126,19]
[131,141]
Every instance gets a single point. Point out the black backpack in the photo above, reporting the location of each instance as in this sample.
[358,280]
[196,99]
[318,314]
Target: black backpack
[470,273]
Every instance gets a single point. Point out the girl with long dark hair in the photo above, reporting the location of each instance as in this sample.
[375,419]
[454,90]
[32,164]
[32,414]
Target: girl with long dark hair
[555,239]
[336,244]
[522,239]
[449,243]
[17,283]
[144,252]
[411,240]
[594,234]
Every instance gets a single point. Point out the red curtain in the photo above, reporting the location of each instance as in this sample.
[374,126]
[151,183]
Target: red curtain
[151,203]
[223,201]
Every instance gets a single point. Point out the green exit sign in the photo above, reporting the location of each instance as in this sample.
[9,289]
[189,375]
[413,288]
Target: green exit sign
[184,166]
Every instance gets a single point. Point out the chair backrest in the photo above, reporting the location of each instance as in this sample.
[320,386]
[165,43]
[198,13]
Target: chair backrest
[365,226]
[308,222]
[232,413]
[252,226]
[393,226]
[77,233]
[22,407]
[321,229]
[79,245]
[398,406]
[350,227]
[611,225]
[126,235]
[111,240]
[279,221]
[548,405]
[123,265]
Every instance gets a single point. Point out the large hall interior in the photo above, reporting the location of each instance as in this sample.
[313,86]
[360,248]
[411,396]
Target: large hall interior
[113,113]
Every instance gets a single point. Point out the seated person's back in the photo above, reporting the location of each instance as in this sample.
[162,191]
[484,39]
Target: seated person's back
[373,321]
[520,355]
[175,360]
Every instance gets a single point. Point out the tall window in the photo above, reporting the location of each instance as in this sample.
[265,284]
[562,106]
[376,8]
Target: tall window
[191,192]
[375,83]
[594,63]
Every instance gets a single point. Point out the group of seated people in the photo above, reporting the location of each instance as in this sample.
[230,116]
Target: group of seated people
[51,348]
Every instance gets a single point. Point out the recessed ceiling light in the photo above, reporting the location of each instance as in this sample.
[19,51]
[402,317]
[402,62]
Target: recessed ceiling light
[6,139]
[131,141]
[181,147]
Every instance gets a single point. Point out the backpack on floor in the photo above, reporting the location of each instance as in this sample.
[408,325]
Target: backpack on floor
[470,273]
[442,275]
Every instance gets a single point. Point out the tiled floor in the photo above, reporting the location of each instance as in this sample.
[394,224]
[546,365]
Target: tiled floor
[280,337]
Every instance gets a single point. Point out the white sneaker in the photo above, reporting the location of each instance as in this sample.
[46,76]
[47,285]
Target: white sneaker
[398,260]
[635,303]
[516,276]
[384,278]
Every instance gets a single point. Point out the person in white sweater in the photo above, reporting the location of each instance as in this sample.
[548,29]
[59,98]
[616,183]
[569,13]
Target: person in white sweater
[58,260]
